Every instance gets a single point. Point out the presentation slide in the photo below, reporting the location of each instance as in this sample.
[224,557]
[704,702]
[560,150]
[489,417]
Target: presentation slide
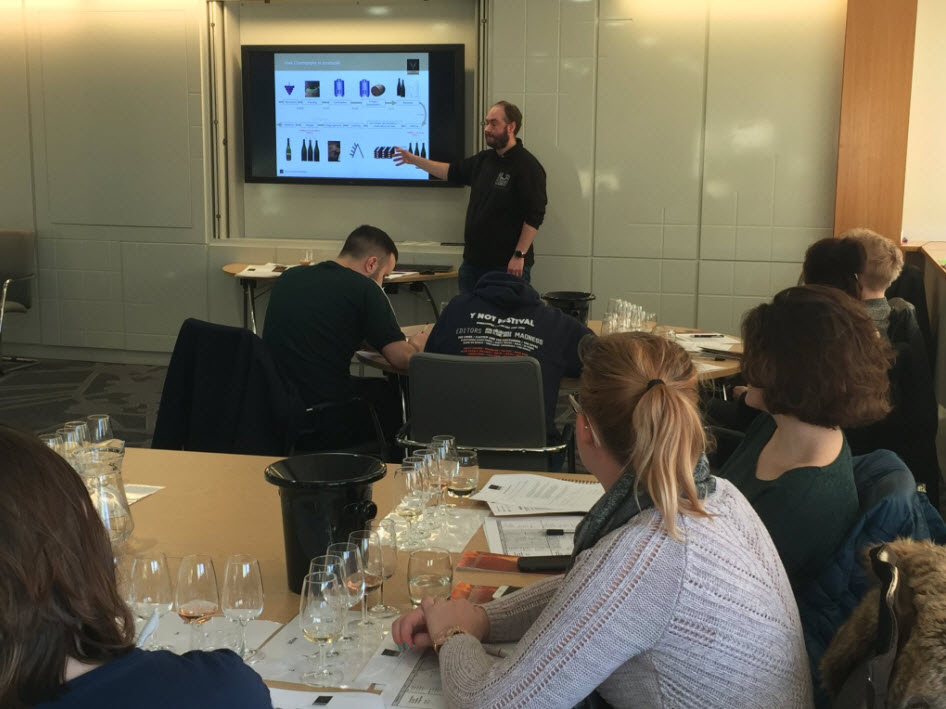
[340,115]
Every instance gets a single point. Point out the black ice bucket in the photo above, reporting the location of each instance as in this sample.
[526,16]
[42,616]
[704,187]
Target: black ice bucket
[575,303]
[325,497]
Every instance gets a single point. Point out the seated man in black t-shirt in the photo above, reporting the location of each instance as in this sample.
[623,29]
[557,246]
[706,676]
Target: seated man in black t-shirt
[504,316]
[319,315]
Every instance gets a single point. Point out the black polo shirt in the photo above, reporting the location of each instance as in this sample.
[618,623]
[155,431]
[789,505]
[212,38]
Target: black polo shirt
[317,317]
[506,192]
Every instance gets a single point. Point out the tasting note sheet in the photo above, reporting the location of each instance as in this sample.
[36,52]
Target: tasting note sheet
[529,536]
[520,494]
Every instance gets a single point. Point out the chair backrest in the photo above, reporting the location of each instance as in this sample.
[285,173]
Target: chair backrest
[224,394]
[481,401]
[16,261]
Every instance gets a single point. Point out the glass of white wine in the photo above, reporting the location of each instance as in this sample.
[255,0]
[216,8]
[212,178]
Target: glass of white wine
[408,483]
[242,596]
[468,474]
[321,612]
[150,590]
[196,595]
[429,573]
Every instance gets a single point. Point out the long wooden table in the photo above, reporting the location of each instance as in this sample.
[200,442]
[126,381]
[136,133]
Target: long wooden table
[392,282]
[220,504]
[723,367]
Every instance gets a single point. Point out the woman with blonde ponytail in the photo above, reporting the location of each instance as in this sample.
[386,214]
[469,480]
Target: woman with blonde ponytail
[675,597]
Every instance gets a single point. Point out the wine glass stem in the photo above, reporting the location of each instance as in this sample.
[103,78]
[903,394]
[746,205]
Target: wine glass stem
[242,638]
[381,594]
[322,667]
[364,610]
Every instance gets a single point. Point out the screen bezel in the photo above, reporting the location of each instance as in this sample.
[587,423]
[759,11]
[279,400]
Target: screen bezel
[257,115]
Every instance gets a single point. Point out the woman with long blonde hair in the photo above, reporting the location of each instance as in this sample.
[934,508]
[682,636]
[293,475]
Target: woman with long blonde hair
[675,597]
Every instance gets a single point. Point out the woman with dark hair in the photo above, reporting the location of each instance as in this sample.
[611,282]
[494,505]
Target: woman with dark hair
[66,636]
[814,362]
[675,595]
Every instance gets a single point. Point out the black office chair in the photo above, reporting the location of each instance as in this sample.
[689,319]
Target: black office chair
[16,270]
[494,405]
[224,394]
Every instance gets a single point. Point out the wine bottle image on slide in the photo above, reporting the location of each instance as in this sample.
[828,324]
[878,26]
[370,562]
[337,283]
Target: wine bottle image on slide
[316,156]
[304,151]
[309,151]
[288,150]
[423,150]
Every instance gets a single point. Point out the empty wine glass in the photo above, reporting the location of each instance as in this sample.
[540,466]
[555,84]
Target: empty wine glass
[369,548]
[150,589]
[321,612]
[242,596]
[81,429]
[387,553]
[52,440]
[429,573]
[100,428]
[196,595]
[349,572]
[70,441]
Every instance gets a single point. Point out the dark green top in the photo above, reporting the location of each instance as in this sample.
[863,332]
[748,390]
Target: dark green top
[808,511]
[317,317]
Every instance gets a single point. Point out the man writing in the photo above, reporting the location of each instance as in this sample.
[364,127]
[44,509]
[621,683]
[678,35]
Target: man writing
[507,198]
[319,315]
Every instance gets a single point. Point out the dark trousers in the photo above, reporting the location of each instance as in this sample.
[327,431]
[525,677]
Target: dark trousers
[468,275]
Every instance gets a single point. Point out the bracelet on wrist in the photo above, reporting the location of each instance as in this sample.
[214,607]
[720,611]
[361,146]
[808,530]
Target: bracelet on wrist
[447,634]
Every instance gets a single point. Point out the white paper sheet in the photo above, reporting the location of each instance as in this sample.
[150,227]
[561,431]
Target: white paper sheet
[288,655]
[694,341]
[707,367]
[297,699]
[394,275]
[410,678]
[140,492]
[263,270]
[526,536]
[525,490]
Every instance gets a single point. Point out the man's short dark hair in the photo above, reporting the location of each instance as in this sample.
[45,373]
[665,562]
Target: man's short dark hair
[817,356]
[835,262]
[513,114]
[368,241]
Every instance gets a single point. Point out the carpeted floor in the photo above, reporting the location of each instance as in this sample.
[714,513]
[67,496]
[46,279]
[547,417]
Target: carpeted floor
[42,397]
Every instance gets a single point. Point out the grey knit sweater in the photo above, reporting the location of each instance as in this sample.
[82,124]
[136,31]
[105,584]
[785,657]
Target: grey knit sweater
[650,622]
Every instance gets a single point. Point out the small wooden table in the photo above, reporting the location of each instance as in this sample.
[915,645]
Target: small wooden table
[249,282]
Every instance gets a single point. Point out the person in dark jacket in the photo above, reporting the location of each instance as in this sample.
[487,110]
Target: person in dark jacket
[504,316]
[66,635]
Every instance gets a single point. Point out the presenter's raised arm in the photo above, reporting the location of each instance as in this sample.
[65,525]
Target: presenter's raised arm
[437,169]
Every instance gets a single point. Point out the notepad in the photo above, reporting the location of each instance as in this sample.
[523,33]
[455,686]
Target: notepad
[520,494]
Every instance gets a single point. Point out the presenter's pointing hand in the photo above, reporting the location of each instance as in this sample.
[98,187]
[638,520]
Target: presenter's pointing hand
[402,156]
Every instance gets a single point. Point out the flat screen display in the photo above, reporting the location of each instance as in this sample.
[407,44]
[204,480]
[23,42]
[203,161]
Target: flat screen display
[335,114]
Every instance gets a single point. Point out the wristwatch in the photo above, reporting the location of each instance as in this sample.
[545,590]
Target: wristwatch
[518,254]
[448,633]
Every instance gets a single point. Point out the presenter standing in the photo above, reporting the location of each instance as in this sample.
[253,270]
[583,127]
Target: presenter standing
[507,198]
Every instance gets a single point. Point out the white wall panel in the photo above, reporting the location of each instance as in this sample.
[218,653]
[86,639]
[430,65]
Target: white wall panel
[16,183]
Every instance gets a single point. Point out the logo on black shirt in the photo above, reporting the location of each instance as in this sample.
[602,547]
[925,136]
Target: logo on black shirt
[502,180]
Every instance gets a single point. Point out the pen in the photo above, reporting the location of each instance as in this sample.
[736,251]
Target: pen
[556,532]
[706,335]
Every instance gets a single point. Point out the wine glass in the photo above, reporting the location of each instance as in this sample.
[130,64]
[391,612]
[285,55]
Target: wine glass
[82,431]
[350,576]
[150,589]
[321,611]
[407,484]
[52,440]
[429,573]
[70,440]
[331,564]
[387,551]
[100,428]
[369,548]
[468,474]
[196,596]
[447,464]
[242,596]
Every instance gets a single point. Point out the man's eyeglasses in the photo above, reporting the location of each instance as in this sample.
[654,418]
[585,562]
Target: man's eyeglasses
[576,407]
